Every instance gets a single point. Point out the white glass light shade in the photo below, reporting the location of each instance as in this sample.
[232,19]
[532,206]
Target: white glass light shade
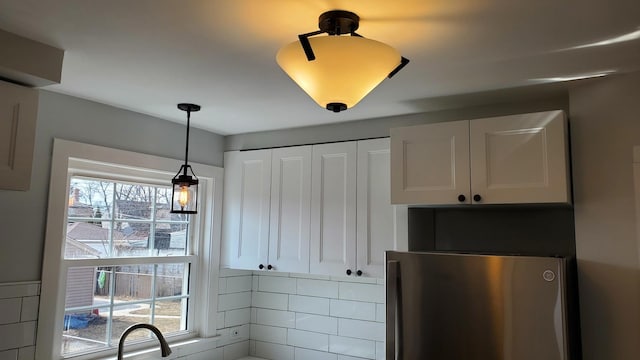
[345,70]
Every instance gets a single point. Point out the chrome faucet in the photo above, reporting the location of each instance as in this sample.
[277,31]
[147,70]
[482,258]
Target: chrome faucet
[164,347]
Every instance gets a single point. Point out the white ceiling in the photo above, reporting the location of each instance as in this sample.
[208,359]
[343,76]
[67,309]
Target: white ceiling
[149,55]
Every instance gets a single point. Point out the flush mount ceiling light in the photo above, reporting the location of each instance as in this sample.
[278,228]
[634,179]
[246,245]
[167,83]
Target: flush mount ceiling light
[185,186]
[338,71]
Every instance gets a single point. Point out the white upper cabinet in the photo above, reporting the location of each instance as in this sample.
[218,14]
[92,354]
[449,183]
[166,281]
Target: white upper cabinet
[333,208]
[430,163]
[246,205]
[501,160]
[18,114]
[290,209]
[520,159]
[380,225]
[322,209]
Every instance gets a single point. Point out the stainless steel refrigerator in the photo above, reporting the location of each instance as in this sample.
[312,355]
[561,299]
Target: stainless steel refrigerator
[445,306]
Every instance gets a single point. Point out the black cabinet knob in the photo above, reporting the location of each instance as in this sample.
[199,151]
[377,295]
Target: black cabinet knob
[348,271]
[260,266]
[359,272]
[462,198]
[477,197]
[269,267]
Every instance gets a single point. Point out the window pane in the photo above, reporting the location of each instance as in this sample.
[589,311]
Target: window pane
[169,281]
[133,282]
[84,330]
[131,239]
[126,315]
[169,315]
[81,285]
[134,202]
[87,240]
[171,238]
[90,198]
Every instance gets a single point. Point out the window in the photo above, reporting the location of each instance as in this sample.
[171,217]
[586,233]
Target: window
[115,255]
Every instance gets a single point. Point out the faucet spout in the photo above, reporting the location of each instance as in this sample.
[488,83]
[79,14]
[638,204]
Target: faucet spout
[164,346]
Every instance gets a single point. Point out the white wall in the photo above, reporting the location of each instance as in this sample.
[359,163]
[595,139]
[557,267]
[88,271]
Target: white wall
[22,213]
[605,126]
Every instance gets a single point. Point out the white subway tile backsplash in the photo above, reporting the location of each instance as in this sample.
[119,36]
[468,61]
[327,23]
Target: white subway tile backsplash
[234,301]
[274,284]
[309,304]
[352,347]
[306,354]
[362,292]
[29,310]
[317,323]
[353,309]
[380,350]
[17,335]
[237,317]
[254,315]
[13,290]
[236,351]
[254,285]
[381,313]
[233,272]
[361,329]
[18,320]
[347,357]
[27,353]
[10,310]
[279,318]
[310,276]
[9,354]
[302,317]
[270,273]
[273,351]
[270,334]
[308,340]
[270,300]
[355,279]
[222,285]
[220,320]
[321,288]
[237,284]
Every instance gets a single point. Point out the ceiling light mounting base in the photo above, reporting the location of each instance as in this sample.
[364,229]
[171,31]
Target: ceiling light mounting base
[338,22]
[189,107]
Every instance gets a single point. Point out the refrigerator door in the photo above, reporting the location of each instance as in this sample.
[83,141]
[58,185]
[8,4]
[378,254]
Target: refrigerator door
[444,306]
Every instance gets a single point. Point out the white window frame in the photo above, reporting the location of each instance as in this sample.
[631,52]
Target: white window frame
[205,228]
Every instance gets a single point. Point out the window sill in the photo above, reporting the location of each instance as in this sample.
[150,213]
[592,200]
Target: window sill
[178,349]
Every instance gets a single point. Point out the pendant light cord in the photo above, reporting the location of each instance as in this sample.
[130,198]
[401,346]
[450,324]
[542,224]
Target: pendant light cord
[186,151]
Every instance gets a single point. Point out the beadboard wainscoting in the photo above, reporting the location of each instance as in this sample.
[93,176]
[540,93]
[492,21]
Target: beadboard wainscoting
[309,317]
[18,320]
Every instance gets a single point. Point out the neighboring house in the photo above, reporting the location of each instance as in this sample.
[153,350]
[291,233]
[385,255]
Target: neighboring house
[81,280]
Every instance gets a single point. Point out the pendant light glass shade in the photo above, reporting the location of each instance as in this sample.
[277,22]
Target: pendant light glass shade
[185,192]
[345,69]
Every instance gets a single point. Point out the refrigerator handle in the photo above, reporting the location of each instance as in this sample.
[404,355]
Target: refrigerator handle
[392,306]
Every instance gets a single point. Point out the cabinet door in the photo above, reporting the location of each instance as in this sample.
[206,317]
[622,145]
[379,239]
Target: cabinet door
[246,208]
[430,164]
[333,208]
[18,113]
[380,225]
[520,158]
[290,209]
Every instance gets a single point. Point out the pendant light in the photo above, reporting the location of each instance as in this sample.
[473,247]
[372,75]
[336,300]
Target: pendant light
[338,71]
[185,183]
